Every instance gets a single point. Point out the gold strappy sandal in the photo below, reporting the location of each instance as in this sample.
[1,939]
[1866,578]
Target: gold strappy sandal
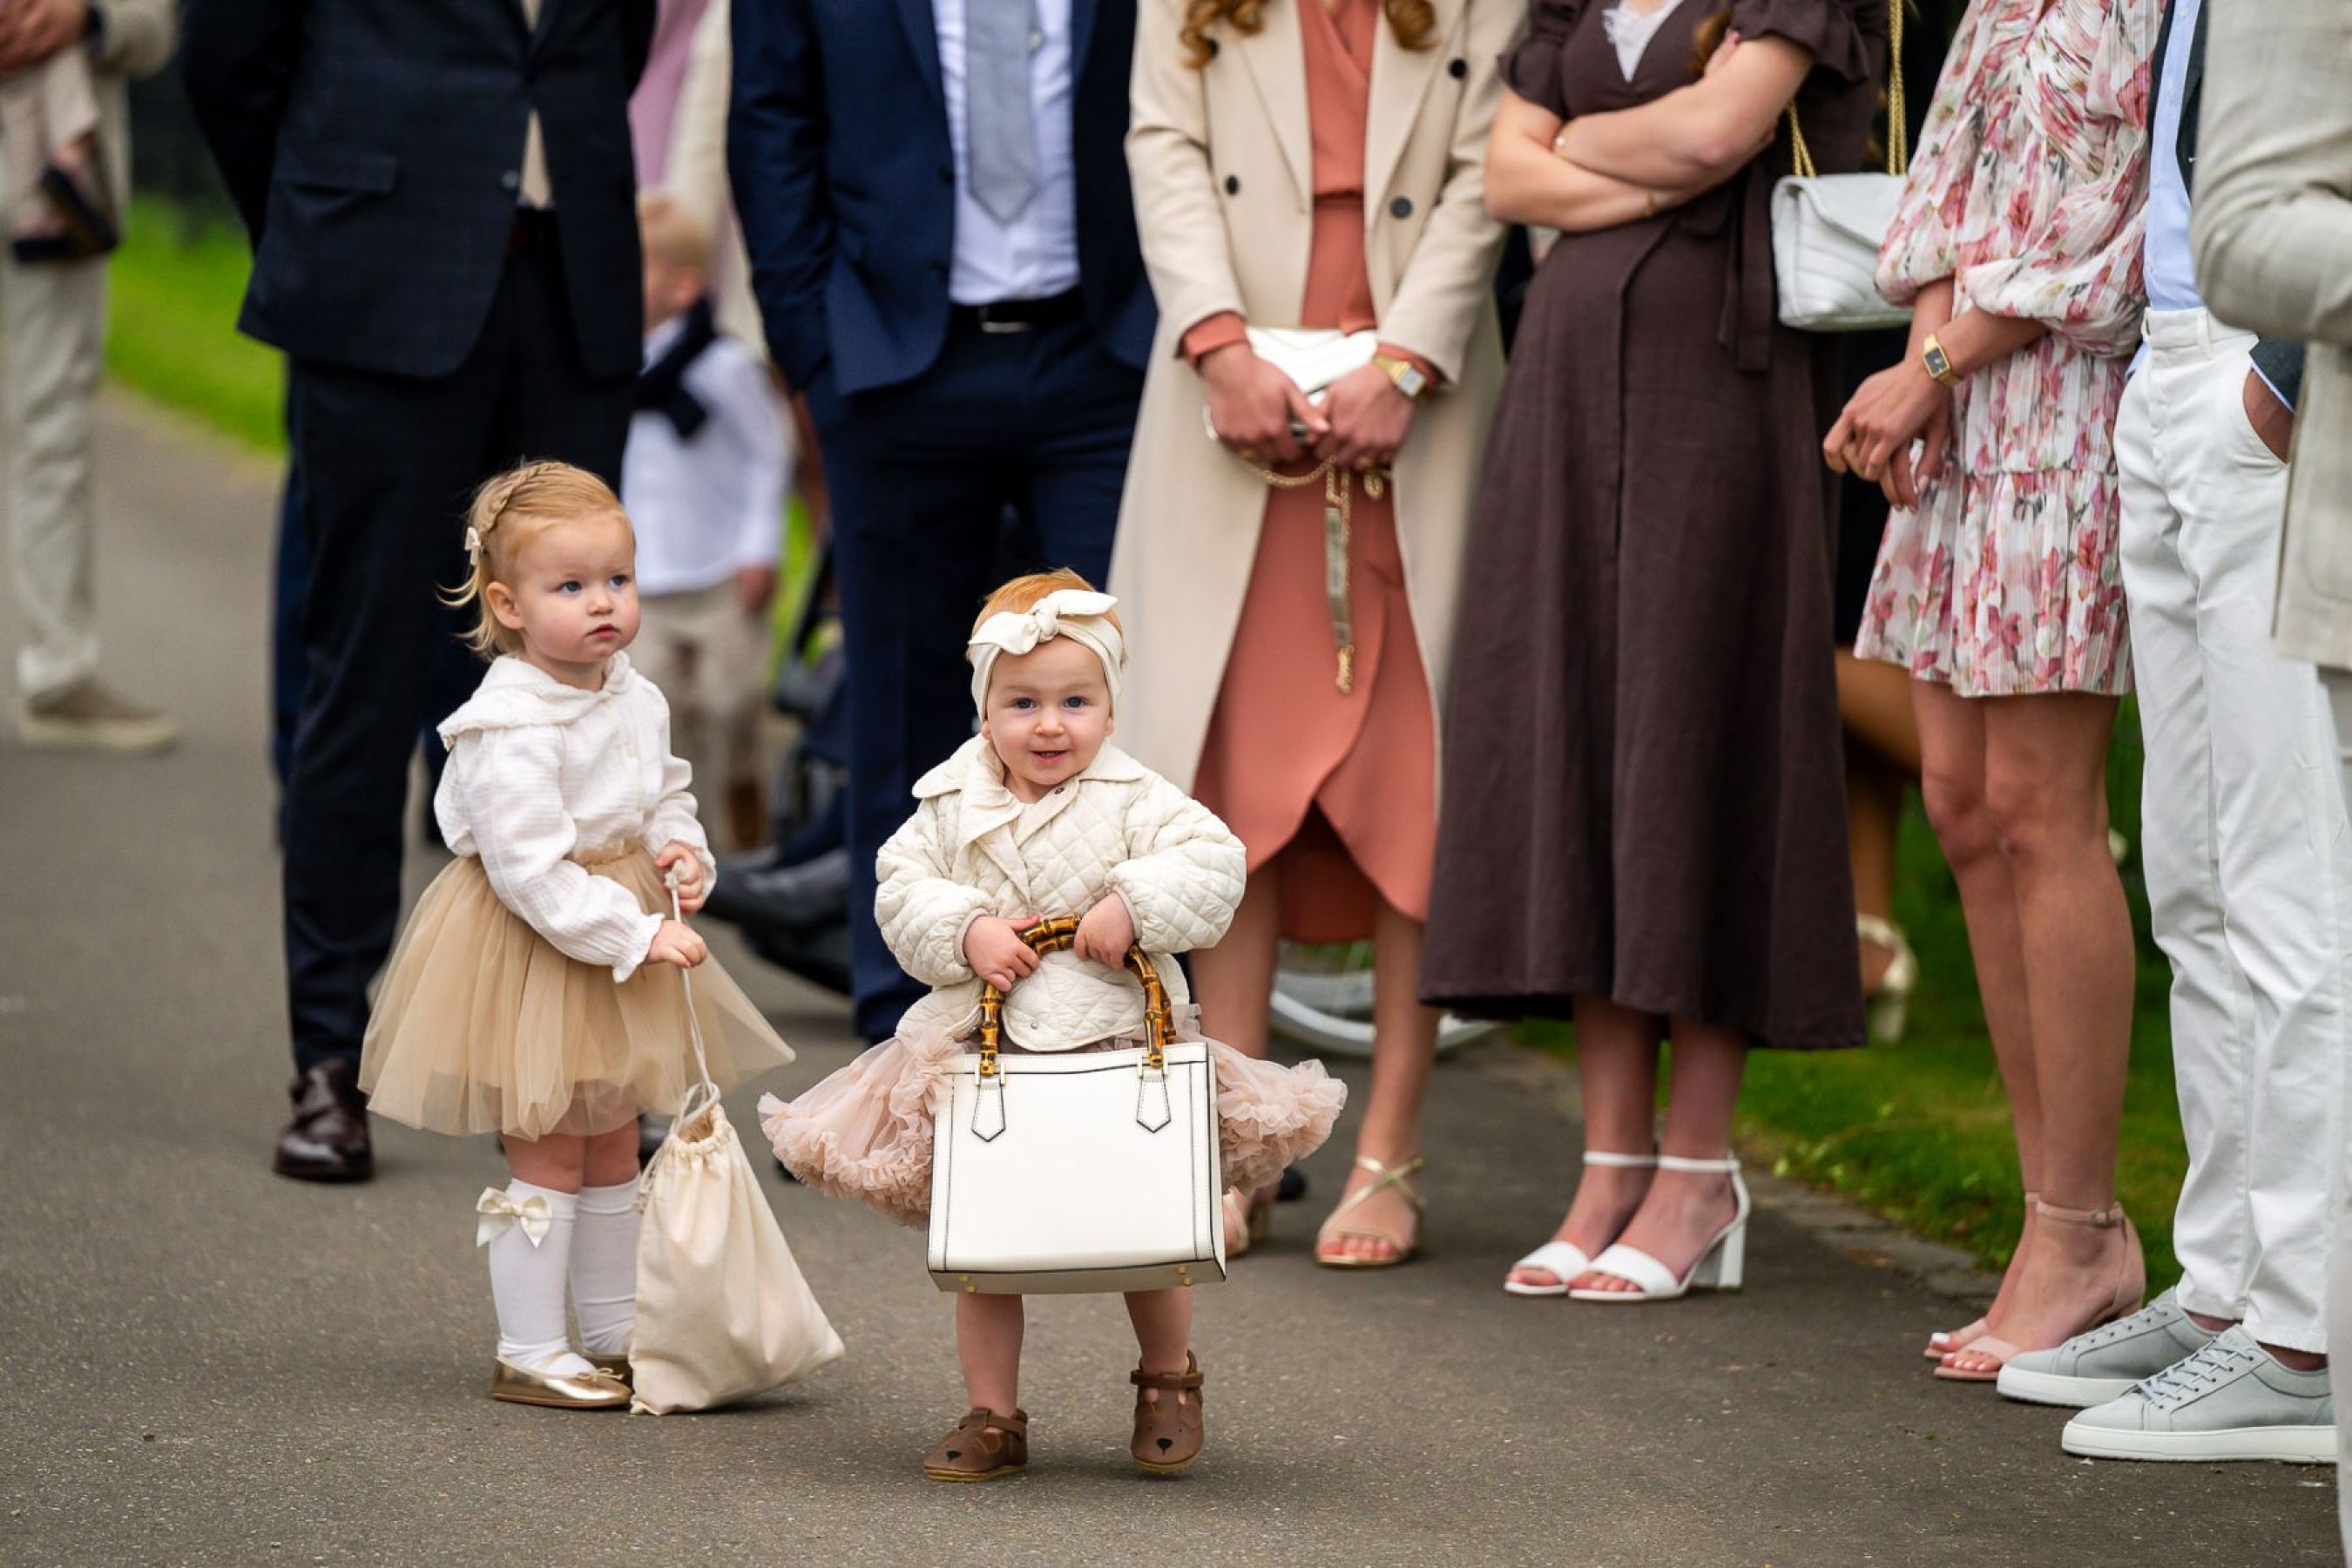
[1383,1177]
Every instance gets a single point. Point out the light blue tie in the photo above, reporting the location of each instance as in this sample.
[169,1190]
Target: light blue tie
[998,120]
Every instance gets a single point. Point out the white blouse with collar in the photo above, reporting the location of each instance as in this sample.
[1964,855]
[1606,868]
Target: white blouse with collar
[542,775]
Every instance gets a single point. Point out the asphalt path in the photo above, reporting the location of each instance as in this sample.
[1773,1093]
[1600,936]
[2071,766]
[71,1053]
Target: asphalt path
[206,1364]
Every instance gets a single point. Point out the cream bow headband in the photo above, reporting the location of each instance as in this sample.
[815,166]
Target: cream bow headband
[499,1211]
[1073,612]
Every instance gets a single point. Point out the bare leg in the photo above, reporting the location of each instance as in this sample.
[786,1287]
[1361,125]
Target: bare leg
[1876,707]
[2045,785]
[988,1348]
[1163,1327]
[608,1159]
[1405,1047]
[1617,1065]
[557,1161]
[1684,1210]
[1234,984]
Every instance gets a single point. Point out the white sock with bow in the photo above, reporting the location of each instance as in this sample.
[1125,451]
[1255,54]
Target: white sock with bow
[604,1268]
[527,1232]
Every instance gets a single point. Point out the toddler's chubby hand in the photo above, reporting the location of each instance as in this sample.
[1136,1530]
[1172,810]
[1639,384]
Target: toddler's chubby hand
[992,946]
[1106,933]
[675,942]
[691,889]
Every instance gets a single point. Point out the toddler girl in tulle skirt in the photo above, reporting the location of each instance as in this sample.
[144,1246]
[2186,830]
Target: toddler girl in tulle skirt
[537,989]
[1040,816]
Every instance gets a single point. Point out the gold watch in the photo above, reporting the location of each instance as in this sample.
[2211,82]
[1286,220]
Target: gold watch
[1938,362]
[1405,375]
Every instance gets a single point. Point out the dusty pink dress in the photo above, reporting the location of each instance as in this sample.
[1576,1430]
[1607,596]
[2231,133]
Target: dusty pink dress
[1343,785]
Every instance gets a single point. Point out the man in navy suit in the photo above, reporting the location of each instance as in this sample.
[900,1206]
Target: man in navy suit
[943,246]
[444,221]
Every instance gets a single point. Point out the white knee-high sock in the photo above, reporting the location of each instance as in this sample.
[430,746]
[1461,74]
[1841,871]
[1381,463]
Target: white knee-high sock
[604,1268]
[527,1278]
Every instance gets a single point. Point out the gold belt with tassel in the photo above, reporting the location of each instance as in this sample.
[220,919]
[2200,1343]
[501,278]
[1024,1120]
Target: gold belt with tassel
[1339,494]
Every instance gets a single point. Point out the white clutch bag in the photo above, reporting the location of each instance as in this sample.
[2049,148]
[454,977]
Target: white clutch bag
[1078,1171]
[1314,357]
[1827,229]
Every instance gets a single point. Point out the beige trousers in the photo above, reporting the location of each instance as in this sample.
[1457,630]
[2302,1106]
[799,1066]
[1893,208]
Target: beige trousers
[704,651]
[52,337]
[46,106]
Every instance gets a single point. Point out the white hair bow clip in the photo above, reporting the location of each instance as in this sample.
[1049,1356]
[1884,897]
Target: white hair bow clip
[499,1212]
[473,542]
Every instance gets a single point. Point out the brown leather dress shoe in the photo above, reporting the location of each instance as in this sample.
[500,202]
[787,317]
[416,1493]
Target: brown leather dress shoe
[327,1140]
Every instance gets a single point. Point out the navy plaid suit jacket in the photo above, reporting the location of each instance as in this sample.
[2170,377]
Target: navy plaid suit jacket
[374,149]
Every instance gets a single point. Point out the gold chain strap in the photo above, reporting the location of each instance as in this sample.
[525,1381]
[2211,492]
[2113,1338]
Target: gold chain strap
[1898,116]
[1338,522]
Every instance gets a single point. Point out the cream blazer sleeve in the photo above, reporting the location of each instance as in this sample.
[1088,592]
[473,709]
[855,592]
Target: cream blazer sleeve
[1176,214]
[1447,283]
[2273,220]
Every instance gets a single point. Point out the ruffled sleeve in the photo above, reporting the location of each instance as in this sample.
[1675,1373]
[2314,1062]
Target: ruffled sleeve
[2077,268]
[1922,244]
[1829,30]
[1531,67]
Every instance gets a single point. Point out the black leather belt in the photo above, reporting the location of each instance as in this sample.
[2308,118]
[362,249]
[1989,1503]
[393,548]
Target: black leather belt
[1020,315]
[533,229]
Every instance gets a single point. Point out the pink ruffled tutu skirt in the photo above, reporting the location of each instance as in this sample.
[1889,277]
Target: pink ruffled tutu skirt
[865,1131]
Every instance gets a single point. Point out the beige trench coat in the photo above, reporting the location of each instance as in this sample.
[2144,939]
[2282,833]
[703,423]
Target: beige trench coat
[1222,196]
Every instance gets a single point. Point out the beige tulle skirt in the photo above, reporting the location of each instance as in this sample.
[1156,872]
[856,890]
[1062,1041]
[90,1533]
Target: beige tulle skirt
[483,1027]
[865,1131]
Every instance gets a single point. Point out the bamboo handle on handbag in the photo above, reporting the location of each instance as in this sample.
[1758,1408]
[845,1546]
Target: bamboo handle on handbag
[1058,935]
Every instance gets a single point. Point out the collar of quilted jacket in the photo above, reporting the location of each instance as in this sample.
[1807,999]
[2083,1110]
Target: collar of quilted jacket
[977,774]
[516,693]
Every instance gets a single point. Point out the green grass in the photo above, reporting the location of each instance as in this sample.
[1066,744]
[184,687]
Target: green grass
[1919,1131]
[171,329]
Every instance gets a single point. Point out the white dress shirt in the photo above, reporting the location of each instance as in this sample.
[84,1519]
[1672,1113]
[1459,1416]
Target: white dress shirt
[707,507]
[540,771]
[2169,265]
[1036,256]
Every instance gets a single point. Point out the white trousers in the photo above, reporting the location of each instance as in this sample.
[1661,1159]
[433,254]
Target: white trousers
[2249,868]
[53,319]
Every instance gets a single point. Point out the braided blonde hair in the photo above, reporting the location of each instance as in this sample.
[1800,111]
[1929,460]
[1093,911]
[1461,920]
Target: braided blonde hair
[507,513]
[1412,21]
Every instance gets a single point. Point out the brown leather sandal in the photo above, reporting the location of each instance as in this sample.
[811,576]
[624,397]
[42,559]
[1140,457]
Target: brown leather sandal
[972,1452]
[1168,1430]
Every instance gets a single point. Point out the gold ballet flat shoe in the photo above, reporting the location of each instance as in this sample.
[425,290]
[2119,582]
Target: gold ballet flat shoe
[580,1391]
[613,1365]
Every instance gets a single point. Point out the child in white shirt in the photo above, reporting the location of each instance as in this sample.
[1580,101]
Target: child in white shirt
[1039,816]
[709,461]
[537,991]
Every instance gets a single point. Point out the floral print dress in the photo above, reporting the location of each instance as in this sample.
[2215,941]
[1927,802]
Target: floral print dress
[2028,192]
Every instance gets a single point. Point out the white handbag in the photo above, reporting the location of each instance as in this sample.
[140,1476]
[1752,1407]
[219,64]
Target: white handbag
[1078,1171]
[723,1312]
[1827,229]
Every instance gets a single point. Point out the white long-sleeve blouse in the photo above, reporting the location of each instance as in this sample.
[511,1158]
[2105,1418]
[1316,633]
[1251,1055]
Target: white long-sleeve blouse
[543,776]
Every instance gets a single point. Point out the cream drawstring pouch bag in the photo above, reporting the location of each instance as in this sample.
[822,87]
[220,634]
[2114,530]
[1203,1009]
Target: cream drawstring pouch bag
[722,1311]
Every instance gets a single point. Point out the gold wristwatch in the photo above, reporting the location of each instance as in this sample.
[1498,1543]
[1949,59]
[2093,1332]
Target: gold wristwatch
[1938,362]
[1405,375]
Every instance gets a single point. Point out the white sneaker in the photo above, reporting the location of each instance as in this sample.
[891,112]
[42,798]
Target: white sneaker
[2231,1400]
[2105,1363]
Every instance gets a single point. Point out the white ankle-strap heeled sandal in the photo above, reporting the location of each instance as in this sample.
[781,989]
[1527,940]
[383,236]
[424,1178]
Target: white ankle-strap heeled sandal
[1564,1260]
[1721,1264]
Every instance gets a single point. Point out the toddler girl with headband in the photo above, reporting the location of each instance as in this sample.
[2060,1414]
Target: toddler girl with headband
[1038,815]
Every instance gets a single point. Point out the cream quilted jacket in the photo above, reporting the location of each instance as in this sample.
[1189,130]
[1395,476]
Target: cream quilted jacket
[973,849]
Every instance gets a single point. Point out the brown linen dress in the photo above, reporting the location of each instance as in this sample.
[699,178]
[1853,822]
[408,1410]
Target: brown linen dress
[1345,782]
[1647,799]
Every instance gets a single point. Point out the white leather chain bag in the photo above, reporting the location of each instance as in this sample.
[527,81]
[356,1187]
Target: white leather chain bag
[1078,1171]
[1314,357]
[1827,229]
